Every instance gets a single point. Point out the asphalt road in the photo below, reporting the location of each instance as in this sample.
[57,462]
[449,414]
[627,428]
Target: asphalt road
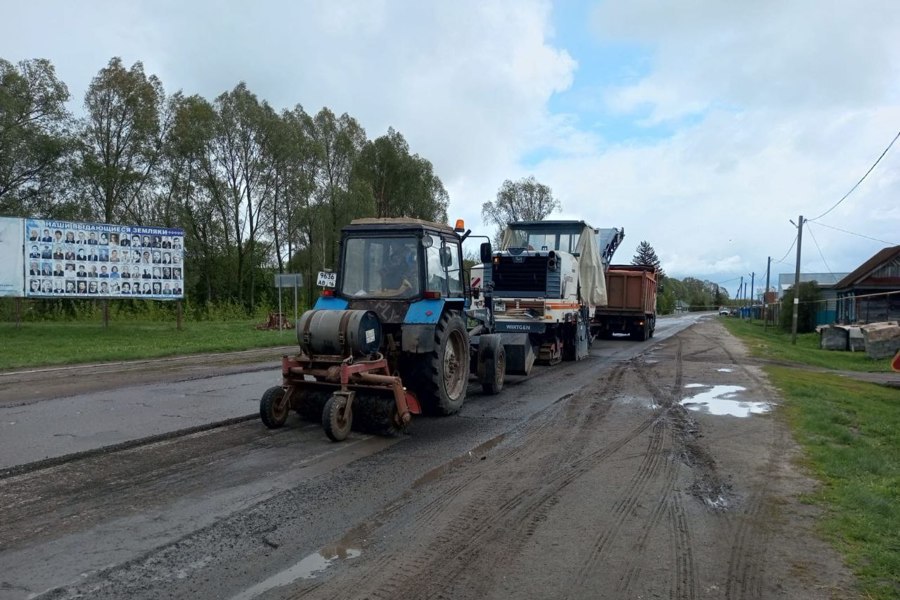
[157,488]
[43,416]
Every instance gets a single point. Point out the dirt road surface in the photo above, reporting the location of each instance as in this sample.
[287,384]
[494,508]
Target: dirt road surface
[649,470]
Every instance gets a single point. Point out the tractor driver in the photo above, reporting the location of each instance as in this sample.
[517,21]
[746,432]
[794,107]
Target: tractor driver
[400,275]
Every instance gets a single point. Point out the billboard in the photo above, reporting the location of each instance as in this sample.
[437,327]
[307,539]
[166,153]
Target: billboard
[95,260]
[11,267]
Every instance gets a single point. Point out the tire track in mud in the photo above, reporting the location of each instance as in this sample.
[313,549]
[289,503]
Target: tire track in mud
[624,508]
[477,509]
[526,496]
[744,576]
[685,585]
[742,365]
[746,562]
[657,464]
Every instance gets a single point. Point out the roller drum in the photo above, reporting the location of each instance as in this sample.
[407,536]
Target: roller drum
[341,332]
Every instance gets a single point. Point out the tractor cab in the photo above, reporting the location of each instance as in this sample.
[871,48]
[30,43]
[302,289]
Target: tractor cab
[398,268]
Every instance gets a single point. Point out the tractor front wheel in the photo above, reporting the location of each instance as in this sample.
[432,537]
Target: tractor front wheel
[336,420]
[273,407]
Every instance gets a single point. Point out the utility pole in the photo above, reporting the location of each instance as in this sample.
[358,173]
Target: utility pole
[766,296]
[797,285]
[752,280]
[740,296]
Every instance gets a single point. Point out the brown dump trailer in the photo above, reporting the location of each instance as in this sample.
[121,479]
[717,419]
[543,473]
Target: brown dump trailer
[631,306]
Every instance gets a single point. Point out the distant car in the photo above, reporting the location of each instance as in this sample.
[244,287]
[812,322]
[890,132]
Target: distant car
[724,311]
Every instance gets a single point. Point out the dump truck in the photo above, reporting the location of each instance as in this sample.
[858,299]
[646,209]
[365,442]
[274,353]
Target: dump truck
[539,291]
[631,303]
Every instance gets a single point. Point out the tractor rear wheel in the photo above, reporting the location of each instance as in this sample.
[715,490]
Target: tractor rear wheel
[273,407]
[445,372]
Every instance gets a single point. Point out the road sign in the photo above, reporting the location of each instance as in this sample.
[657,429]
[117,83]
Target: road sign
[285,280]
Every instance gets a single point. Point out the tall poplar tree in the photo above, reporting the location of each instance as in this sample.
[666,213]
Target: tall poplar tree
[120,140]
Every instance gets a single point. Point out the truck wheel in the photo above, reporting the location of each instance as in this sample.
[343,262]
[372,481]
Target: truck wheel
[491,364]
[446,370]
[640,333]
[337,427]
[273,408]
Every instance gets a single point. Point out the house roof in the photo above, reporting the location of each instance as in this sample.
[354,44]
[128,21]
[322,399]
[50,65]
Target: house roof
[881,257]
[786,280]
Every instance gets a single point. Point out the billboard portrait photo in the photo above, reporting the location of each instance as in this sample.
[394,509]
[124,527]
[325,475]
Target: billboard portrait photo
[94,260]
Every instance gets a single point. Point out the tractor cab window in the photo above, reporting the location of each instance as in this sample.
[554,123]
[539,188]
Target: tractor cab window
[443,272]
[381,267]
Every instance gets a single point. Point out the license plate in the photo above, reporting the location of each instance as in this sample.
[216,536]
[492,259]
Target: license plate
[326,280]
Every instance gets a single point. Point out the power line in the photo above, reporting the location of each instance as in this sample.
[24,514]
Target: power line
[861,180]
[858,234]
[781,260]
[816,242]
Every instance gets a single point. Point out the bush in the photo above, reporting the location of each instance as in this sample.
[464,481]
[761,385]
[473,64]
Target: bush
[806,313]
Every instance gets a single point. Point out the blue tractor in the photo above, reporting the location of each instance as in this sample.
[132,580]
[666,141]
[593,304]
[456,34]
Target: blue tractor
[388,337]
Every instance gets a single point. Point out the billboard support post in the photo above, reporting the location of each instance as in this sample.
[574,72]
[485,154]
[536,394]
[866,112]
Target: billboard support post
[282,280]
[280,313]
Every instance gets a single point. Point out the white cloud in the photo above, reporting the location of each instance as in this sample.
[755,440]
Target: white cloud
[776,109]
[790,56]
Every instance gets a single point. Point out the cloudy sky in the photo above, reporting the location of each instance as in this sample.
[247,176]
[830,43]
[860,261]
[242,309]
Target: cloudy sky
[700,126]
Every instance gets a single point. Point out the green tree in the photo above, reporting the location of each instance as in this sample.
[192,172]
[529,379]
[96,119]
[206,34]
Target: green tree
[698,294]
[665,297]
[646,255]
[401,184]
[120,140]
[34,137]
[522,200]
[190,178]
[340,140]
[720,297]
[806,311]
[295,226]
[238,182]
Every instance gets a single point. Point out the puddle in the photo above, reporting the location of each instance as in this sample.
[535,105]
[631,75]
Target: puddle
[723,400]
[725,370]
[308,568]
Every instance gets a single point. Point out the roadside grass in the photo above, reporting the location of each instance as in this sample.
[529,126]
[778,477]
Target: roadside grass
[57,343]
[850,431]
[774,344]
